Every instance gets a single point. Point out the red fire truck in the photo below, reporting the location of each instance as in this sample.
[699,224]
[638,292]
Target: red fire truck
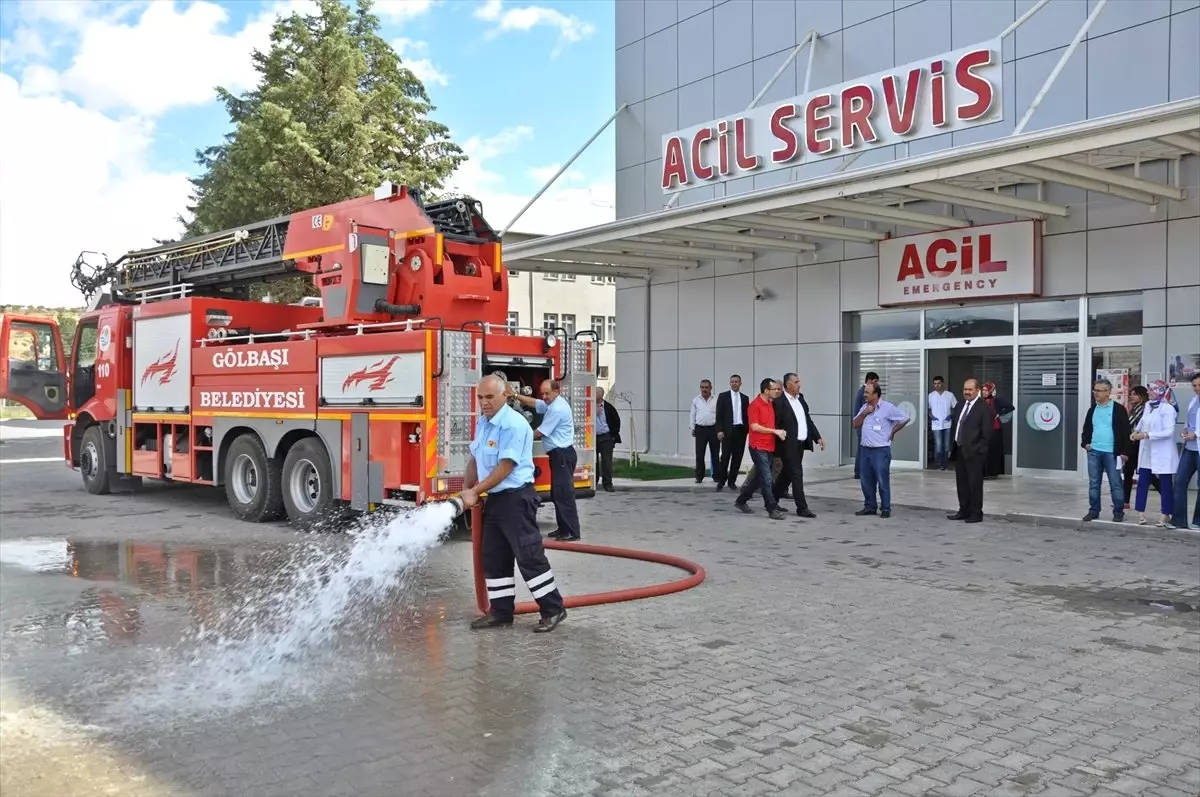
[365,399]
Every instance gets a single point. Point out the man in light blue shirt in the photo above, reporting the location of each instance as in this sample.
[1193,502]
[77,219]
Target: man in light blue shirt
[1189,463]
[501,465]
[557,432]
[878,421]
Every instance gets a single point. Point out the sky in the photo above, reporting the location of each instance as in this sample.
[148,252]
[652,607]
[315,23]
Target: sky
[106,102]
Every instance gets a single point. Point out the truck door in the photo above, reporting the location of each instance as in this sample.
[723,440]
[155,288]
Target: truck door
[33,372]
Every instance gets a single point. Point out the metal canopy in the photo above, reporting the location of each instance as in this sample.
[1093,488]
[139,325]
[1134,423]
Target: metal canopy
[1008,175]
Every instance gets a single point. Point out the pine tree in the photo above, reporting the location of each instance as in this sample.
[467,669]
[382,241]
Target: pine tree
[335,113]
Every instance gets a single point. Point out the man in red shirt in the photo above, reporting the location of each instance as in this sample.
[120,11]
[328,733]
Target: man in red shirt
[762,437]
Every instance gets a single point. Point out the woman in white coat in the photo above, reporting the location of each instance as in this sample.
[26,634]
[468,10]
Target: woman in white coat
[1157,454]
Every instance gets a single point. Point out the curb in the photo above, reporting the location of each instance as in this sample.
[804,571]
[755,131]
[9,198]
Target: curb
[1046,521]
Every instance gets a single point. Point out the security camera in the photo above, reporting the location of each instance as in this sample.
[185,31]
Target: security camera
[762,293]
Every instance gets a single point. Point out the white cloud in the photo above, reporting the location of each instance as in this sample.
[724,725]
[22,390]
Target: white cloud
[570,27]
[411,54]
[402,10]
[544,173]
[560,209]
[74,180]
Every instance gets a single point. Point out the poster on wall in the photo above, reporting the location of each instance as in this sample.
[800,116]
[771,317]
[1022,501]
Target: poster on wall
[1120,383]
[1181,368]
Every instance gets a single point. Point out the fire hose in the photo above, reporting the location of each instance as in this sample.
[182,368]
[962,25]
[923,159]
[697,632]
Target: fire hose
[695,578]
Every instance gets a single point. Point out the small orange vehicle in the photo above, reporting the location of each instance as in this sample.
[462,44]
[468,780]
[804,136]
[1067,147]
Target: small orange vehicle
[363,399]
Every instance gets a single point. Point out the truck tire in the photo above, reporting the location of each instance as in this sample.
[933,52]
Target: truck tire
[93,462]
[308,484]
[253,485]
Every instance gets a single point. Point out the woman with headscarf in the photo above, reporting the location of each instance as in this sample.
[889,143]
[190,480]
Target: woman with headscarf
[1138,396]
[1157,454]
[993,467]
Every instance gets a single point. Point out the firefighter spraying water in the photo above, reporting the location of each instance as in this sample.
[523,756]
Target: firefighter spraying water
[365,398]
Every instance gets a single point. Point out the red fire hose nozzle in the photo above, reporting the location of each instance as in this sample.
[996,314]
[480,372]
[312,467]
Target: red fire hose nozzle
[594,598]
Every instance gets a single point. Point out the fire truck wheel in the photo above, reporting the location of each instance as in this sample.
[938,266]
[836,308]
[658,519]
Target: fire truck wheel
[93,462]
[308,483]
[252,481]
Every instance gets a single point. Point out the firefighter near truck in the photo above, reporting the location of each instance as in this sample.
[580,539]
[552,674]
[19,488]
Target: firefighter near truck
[361,400]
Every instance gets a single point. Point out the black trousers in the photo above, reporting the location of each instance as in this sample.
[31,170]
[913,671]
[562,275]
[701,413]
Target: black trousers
[706,437]
[510,532]
[733,447]
[562,489]
[604,453]
[968,477]
[792,473]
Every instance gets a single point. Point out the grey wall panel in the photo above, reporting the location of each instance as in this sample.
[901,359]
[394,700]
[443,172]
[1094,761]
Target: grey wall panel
[630,73]
[697,307]
[1121,14]
[660,117]
[631,191]
[734,20]
[785,87]
[974,21]
[823,16]
[733,89]
[858,11]
[1183,252]
[735,310]
[1154,308]
[1066,101]
[631,138]
[690,8]
[631,310]
[1183,5]
[664,381]
[1183,307]
[1064,263]
[1185,55]
[662,61]
[1116,83]
[818,317]
[774,28]
[730,360]
[665,429]
[817,363]
[868,48]
[696,47]
[1052,27]
[1127,258]
[694,365]
[630,22]
[660,14]
[664,316]
[922,30]
[775,317]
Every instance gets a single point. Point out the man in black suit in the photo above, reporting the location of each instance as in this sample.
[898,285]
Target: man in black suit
[972,424]
[732,427]
[793,415]
[608,434]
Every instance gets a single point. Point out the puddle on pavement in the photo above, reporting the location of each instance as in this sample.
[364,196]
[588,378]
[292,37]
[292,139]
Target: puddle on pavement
[137,629]
[1167,603]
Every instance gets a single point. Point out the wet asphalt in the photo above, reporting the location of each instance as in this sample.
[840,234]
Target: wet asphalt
[140,654]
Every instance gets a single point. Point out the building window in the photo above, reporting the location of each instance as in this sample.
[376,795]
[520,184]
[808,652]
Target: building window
[514,321]
[567,277]
[602,372]
[549,321]
[612,329]
[1115,315]
[513,272]
[904,325]
[598,280]
[550,275]
[598,327]
[568,323]
[1044,318]
[969,322]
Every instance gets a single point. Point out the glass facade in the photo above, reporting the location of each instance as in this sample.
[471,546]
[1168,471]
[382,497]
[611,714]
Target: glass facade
[1043,355]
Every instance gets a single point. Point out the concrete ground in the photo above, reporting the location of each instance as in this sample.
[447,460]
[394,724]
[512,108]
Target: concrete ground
[835,656]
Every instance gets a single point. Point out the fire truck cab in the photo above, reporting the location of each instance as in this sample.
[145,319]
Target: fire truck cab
[361,399]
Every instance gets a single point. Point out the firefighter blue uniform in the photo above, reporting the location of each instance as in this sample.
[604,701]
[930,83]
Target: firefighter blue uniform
[558,440]
[510,528]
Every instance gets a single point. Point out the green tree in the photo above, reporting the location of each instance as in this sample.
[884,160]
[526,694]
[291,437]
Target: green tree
[335,113]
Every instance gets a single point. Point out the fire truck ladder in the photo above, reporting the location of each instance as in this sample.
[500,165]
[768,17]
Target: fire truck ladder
[580,379]
[463,366]
[225,262]
[229,262]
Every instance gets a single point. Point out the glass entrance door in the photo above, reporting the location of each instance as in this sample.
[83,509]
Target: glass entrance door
[1047,416]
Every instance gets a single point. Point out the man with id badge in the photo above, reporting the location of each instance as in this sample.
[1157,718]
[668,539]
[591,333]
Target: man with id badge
[878,421]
